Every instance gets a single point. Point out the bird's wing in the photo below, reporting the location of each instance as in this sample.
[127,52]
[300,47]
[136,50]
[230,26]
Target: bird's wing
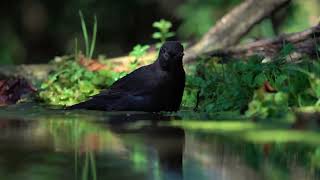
[140,81]
[133,103]
[131,90]
[98,102]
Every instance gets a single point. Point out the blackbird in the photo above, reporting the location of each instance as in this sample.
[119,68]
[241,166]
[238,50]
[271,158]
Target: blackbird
[152,88]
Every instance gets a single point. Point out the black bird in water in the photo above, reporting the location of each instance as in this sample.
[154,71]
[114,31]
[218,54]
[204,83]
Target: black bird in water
[152,88]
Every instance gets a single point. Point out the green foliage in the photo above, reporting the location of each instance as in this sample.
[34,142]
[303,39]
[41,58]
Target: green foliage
[264,105]
[139,51]
[163,31]
[225,87]
[239,85]
[71,83]
[190,91]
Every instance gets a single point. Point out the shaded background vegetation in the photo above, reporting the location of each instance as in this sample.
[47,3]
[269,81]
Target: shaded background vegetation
[34,31]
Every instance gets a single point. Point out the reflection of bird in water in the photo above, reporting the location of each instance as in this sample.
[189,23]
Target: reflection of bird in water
[168,142]
[120,119]
[152,88]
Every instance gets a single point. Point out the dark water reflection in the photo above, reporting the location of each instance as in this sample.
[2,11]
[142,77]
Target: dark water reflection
[95,145]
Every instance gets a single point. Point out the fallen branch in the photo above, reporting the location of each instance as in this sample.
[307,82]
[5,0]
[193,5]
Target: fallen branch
[234,25]
[304,42]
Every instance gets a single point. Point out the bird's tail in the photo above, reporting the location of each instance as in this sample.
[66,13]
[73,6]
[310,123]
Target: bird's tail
[83,105]
[92,104]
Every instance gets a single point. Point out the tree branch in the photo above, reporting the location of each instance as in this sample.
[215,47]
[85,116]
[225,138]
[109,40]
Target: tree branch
[304,42]
[233,26]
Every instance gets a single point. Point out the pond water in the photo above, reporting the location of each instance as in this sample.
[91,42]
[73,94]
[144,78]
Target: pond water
[36,143]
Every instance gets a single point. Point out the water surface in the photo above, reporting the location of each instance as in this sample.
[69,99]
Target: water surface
[37,143]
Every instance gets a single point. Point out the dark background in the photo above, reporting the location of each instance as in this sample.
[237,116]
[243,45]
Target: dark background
[35,31]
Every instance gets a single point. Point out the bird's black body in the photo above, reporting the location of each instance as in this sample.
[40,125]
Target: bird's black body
[152,88]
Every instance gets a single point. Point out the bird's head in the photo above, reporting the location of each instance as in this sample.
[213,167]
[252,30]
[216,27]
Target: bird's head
[170,55]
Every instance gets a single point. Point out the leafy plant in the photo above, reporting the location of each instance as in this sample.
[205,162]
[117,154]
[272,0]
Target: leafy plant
[265,105]
[225,87]
[163,32]
[238,85]
[71,83]
[139,51]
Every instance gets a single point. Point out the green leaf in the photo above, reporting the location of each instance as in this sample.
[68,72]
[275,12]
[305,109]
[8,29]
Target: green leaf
[281,98]
[157,25]
[247,78]
[287,49]
[170,34]
[260,79]
[139,51]
[315,83]
[44,85]
[157,35]
[163,28]
[280,80]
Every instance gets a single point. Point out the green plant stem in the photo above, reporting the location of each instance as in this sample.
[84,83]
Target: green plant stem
[94,37]
[85,33]
[76,49]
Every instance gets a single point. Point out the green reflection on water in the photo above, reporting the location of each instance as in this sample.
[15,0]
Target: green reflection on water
[251,131]
[225,126]
[262,136]
[92,149]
